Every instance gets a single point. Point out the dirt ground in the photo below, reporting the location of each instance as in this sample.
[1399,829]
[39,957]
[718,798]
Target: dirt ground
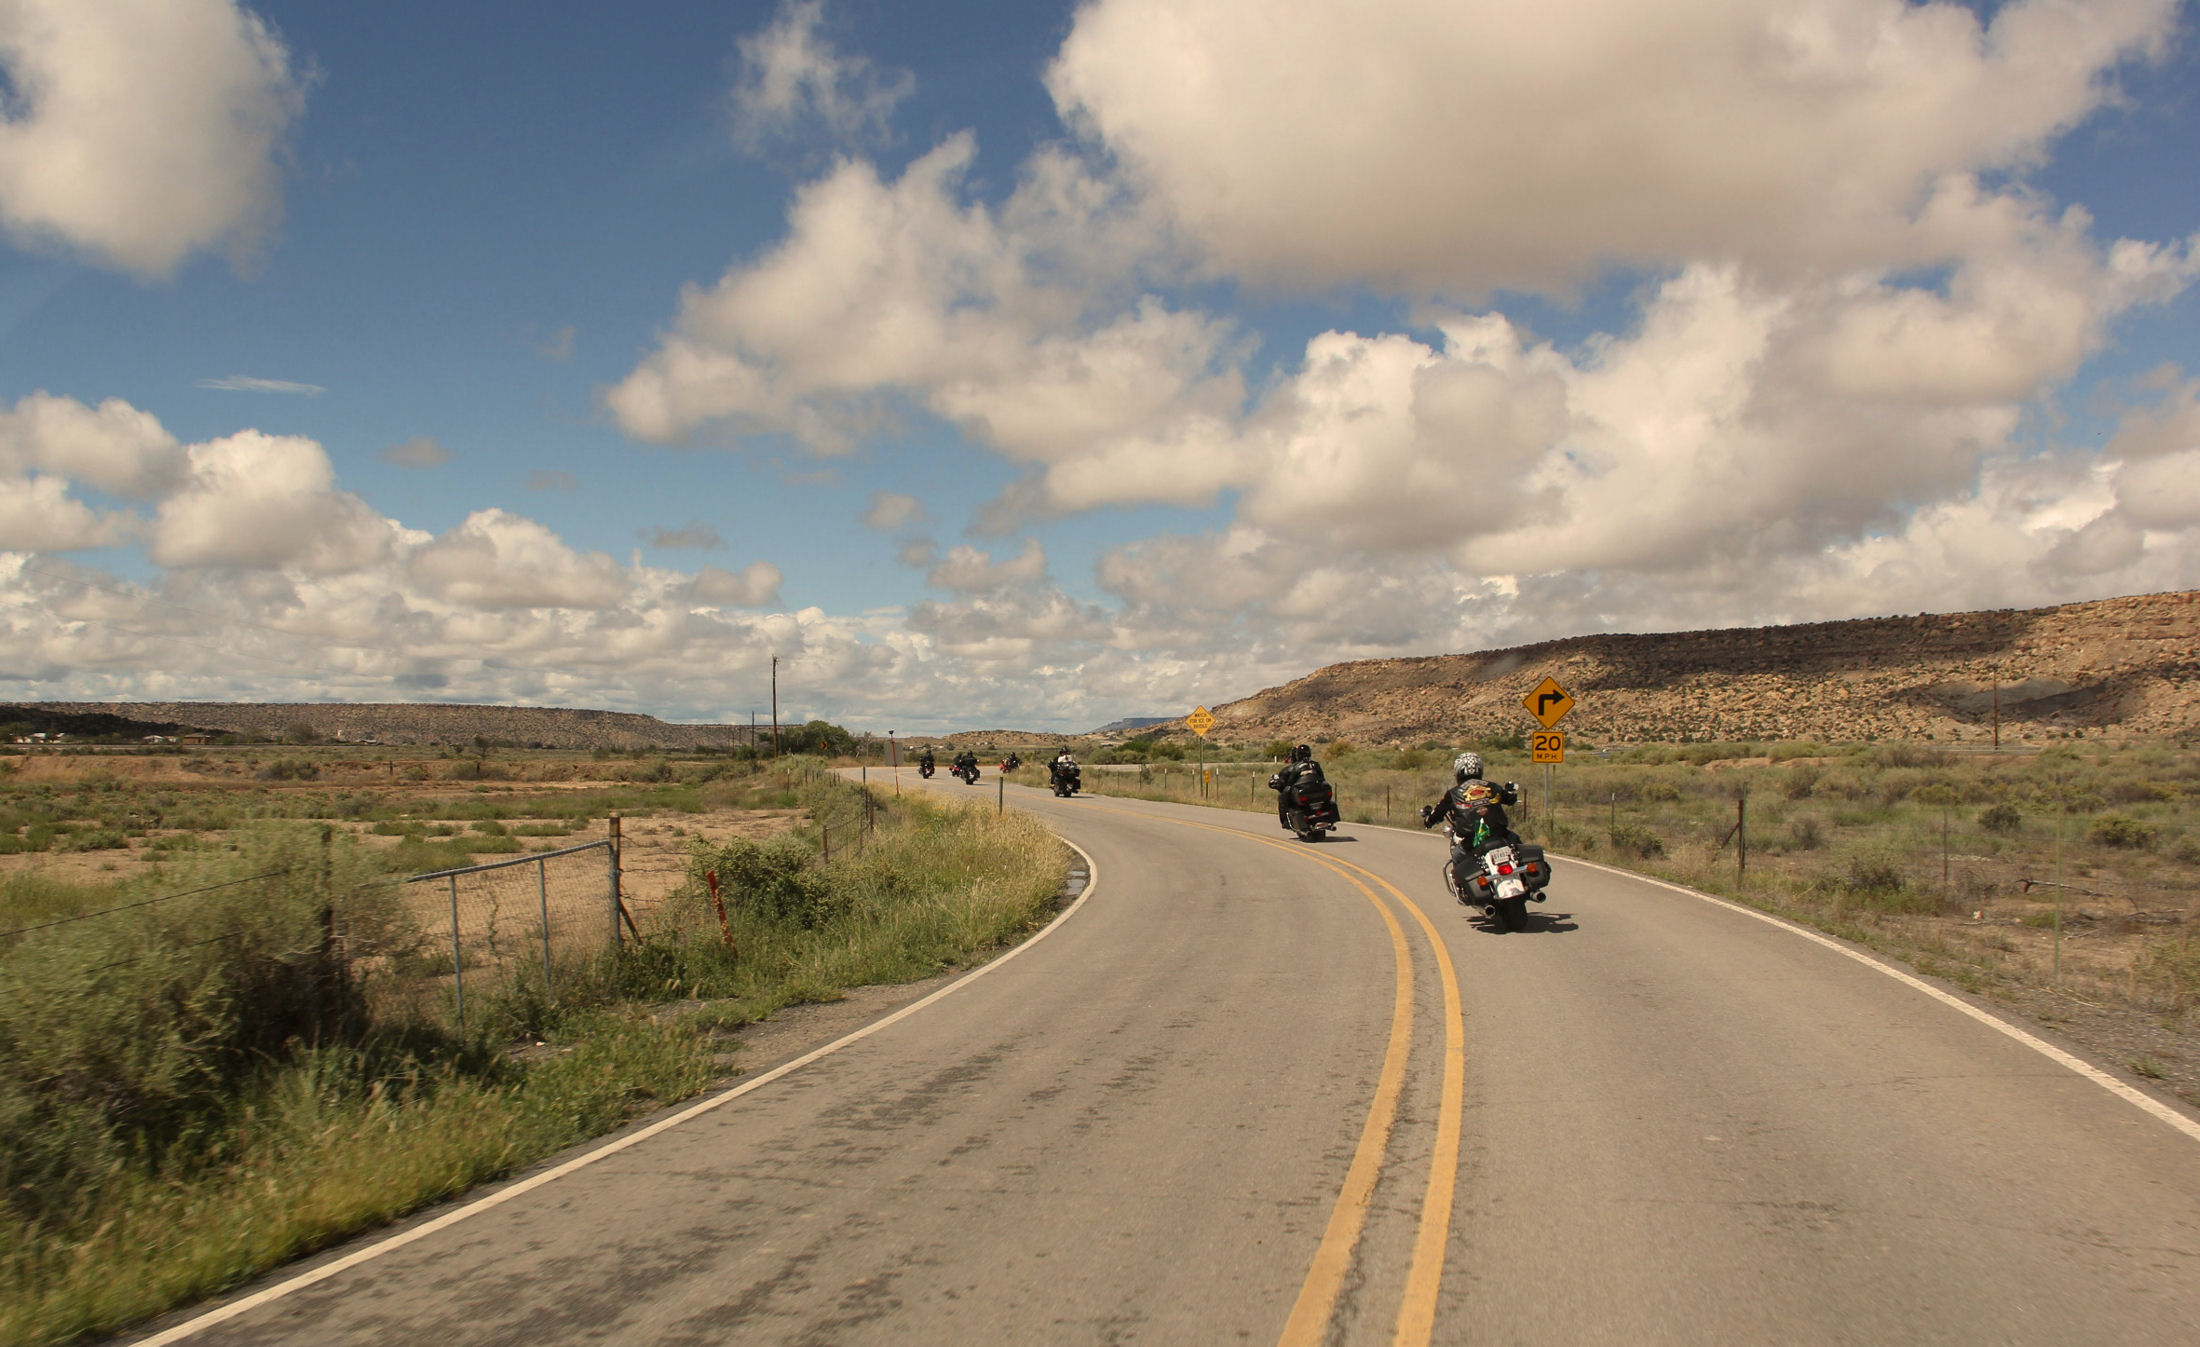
[653,843]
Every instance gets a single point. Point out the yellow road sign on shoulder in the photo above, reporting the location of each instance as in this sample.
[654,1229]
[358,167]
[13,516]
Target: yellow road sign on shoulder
[1200,721]
[1549,702]
[1547,746]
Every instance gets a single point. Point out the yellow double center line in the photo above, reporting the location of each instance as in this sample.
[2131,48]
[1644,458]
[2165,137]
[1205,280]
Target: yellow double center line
[1317,1300]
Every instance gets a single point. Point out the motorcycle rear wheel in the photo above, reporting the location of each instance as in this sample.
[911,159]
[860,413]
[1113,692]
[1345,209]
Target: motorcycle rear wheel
[1512,913]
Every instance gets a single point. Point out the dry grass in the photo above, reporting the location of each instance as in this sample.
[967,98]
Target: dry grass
[181,1112]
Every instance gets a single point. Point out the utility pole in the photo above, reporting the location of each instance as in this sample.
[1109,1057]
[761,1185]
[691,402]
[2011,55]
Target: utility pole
[775,706]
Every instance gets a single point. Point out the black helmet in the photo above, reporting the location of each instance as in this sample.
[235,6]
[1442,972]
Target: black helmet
[1302,754]
[1466,766]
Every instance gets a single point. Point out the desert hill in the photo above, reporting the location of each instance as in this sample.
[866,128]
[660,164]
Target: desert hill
[2126,667]
[386,722]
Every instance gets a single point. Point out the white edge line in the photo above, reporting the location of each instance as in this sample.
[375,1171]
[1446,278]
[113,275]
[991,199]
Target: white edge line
[2046,1049]
[526,1185]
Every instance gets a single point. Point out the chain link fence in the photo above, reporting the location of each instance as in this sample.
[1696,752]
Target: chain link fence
[513,924]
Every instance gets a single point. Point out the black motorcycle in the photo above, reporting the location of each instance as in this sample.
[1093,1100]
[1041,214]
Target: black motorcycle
[968,771]
[1066,779]
[1010,764]
[925,769]
[1501,879]
[1309,809]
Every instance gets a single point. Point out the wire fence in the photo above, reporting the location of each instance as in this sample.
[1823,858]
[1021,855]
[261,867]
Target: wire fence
[516,923]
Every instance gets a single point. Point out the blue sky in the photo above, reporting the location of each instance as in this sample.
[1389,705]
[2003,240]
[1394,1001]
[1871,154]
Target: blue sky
[1037,365]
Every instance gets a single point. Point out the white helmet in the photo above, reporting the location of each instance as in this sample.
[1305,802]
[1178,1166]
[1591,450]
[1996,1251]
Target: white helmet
[1466,766]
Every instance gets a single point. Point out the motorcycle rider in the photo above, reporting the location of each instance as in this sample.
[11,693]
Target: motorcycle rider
[1300,767]
[925,762]
[966,761]
[1475,809]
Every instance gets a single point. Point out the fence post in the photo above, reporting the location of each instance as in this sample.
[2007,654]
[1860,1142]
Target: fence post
[618,940]
[725,927]
[1741,837]
[458,965]
[542,890]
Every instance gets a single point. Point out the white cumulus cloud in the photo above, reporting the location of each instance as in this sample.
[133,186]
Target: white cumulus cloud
[1458,148]
[260,501]
[141,131]
[792,79]
[498,560]
[753,586]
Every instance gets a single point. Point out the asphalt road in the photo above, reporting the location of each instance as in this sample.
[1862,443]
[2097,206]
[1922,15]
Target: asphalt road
[1251,1090]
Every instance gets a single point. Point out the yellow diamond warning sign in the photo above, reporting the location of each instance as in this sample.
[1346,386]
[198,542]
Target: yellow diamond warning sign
[1200,721]
[1549,702]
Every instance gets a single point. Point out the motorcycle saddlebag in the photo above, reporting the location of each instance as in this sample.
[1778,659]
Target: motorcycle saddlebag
[1528,858]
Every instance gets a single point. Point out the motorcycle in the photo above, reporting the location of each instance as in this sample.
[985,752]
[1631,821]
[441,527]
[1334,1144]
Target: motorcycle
[925,769]
[1067,779]
[1010,764]
[1505,879]
[968,773]
[1310,809]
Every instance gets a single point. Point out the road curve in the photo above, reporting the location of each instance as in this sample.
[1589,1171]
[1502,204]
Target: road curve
[1237,1098]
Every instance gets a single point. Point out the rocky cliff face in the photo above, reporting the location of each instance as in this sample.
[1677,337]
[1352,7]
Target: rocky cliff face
[2123,667]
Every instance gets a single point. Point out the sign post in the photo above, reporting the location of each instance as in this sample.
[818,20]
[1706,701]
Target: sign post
[1549,704]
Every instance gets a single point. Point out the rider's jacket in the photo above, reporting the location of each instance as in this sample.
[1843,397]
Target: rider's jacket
[1292,773]
[1476,811]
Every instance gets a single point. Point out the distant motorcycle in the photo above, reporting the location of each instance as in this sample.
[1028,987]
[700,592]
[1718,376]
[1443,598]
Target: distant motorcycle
[1309,809]
[1011,763]
[1067,779]
[1504,880]
[968,771]
[925,769]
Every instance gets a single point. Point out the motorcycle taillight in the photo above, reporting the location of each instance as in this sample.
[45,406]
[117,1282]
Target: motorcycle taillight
[1504,869]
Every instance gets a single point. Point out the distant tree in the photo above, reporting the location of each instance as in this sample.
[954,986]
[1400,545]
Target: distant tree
[820,737]
[301,732]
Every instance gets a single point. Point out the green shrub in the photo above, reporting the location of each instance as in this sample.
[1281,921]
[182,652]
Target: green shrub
[1874,873]
[776,880]
[1637,840]
[2003,819]
[2171,969]
[2142,792]
[123,1034]
[94,839]
[2115,830]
